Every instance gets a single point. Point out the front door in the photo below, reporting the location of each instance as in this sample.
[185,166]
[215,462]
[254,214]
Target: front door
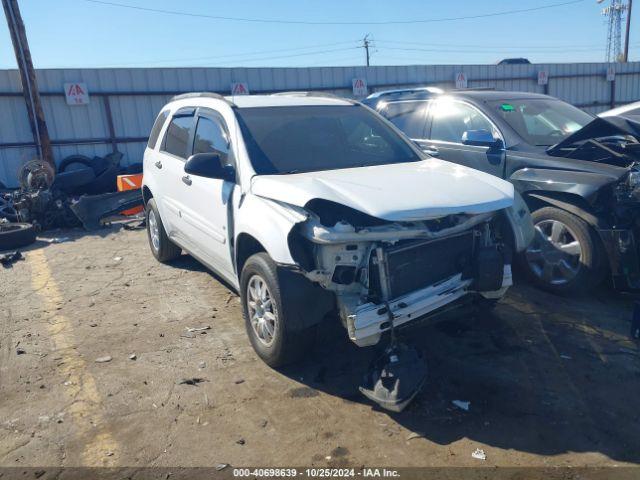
[448,121]
[206,202]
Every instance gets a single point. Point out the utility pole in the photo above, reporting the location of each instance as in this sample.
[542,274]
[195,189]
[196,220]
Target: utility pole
[365,41]
[28,79]
[625,58]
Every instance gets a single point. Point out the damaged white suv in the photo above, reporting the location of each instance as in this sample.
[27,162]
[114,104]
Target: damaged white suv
[313,206]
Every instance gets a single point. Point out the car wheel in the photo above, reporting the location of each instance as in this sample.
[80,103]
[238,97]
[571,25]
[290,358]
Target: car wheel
[16,235]
[162,248]
[273,335]
[564,256]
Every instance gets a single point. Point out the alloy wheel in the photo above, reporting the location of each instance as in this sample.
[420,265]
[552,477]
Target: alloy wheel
[154,230]
[555,254]
[262,312]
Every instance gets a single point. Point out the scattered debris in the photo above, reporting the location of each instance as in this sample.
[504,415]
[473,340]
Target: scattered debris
[56,239]
[117,259]
[133,356]
[238,381]
[221,466]
[479,454]
[413,435]
[191,381]
[141,225]
[93,325]
[462,405]
[8,259]
[198,329]
[20,351]
[109,454]
[240,441]
[104,359]
[202,365]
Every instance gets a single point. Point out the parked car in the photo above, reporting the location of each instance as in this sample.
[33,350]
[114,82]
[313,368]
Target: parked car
[310,205]
[629,110]
[514,61]
[578,174]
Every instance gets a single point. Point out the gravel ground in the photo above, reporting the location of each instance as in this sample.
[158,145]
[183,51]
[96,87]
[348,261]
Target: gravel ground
[551,381]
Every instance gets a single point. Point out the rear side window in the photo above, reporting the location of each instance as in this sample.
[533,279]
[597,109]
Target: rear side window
[157,127]
[176,140]
[409,117]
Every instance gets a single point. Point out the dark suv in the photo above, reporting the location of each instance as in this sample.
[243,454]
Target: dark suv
[579,174]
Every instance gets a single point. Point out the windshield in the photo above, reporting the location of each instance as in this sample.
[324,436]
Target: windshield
[311,138]
[542,121]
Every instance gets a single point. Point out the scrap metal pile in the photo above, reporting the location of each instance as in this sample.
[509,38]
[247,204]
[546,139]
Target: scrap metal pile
[81,193]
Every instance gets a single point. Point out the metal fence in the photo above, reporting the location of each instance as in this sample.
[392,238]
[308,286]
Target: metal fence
[124,102]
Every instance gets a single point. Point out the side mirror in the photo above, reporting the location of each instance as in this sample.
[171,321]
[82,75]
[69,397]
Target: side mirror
[209,165]
[481,138]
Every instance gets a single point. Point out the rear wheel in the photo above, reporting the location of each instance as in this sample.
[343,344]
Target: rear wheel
[16,235]
[564,256]
[162,248]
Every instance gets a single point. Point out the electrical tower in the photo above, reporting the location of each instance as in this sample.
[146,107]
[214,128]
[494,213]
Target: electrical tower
[614,13]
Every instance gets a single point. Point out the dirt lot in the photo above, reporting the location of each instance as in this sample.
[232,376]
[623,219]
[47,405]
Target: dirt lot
[551,381]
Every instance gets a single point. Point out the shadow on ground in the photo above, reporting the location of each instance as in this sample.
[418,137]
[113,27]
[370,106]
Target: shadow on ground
[544,375]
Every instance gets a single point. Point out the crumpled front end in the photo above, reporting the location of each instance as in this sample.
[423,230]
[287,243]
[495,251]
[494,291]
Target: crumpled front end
[383,272]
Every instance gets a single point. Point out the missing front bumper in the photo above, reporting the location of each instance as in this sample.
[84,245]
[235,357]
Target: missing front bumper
[367,323]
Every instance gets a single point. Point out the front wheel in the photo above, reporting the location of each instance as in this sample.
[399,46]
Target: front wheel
[274,336]
[564,256]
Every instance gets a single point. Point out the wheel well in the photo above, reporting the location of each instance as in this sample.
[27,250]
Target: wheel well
[146,194]
[571,203]
[246,245]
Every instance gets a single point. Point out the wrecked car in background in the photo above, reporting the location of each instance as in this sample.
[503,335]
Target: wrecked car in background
[579,174]
[312,205]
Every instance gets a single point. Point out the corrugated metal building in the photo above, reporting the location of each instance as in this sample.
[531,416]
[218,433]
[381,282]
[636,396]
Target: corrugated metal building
[124,102]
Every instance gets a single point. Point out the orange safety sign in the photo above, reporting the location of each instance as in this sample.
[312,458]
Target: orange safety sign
[130,182]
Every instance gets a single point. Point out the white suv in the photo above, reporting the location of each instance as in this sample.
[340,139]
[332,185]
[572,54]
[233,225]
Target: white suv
[316,207]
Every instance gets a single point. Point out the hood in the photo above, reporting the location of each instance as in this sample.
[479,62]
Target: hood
[602,127]
[400,192]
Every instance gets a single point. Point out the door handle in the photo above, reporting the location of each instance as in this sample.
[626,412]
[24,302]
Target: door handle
[186,180]
[158,164]
[433,151]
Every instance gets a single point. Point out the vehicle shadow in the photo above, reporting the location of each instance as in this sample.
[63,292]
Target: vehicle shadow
[544,375]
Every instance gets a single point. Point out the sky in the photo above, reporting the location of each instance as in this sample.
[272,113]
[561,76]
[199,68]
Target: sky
[83,33]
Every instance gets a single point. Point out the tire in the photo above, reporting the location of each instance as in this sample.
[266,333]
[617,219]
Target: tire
[554,261]
[16,235]
[161,247]
[287,343]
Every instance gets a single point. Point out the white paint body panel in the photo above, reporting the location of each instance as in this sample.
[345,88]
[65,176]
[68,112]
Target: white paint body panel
[402,192]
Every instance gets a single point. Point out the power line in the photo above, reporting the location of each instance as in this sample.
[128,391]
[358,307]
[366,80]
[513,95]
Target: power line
[554,47]
[310,22]
[236,55]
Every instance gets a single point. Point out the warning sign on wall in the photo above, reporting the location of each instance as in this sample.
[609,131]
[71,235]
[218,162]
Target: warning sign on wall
[461,80]
[359,86]
[76,93]
[239,88]
[543,77]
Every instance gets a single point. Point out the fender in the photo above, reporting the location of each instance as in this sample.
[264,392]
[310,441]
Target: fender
[269,222]
[557,200]
[582,184]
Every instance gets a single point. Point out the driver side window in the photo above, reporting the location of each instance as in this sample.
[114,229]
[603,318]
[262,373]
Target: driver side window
[210,137]
[451,119]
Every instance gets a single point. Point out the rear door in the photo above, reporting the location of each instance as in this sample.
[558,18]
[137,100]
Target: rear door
[410,116]
[205,202]
[174,151]
[447,122]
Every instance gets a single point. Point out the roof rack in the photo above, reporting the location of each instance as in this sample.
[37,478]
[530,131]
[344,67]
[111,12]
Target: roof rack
[311,93]
[217,96]
[433,90]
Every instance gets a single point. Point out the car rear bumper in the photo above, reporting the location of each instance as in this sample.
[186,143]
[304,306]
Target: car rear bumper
[369,320]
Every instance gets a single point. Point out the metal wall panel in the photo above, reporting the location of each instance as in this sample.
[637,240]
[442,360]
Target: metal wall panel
[133,107]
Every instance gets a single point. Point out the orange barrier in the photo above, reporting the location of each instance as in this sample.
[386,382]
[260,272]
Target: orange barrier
[130,182]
